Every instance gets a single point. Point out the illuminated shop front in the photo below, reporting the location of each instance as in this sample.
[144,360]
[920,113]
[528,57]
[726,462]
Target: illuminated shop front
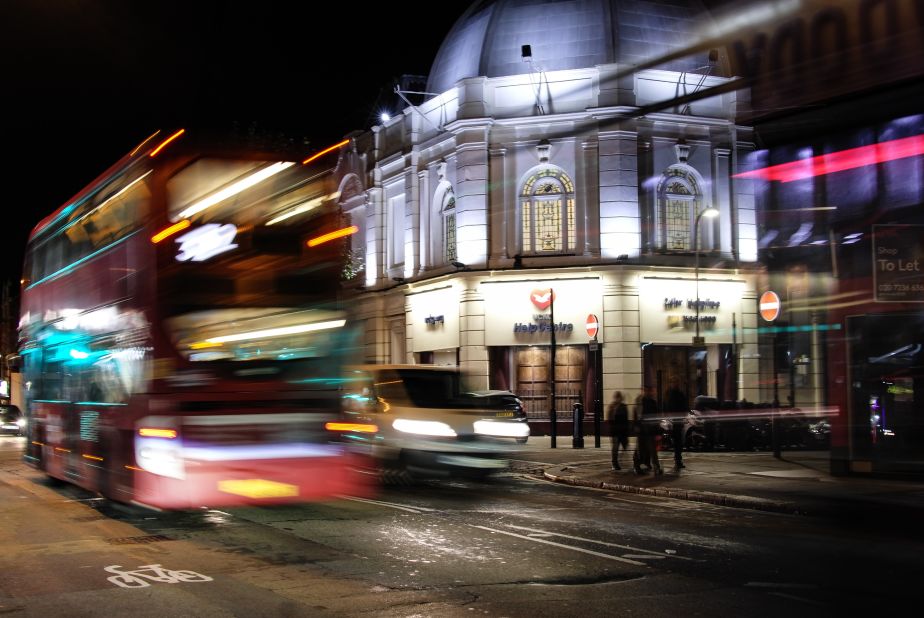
[615,328]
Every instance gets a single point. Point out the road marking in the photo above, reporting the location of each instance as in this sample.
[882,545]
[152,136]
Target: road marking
[392,505]
[667,503]
[152,572]
[647,552]
[795,598]
[562,545]
[781,585]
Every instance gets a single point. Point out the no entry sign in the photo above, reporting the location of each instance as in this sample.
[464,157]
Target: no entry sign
[769,306]
[592,326]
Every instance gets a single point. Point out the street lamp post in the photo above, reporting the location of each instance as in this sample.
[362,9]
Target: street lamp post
[706,212]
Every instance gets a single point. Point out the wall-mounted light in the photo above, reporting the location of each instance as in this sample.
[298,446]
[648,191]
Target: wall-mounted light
[459,265]
[384,117]
[398,279]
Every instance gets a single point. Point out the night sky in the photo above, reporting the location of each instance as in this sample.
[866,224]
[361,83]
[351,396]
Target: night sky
[84,81]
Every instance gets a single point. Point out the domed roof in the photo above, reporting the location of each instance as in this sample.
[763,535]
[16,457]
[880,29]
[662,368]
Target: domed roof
[564,34]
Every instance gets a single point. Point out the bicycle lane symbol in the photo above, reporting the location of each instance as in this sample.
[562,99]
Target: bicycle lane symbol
[143,575]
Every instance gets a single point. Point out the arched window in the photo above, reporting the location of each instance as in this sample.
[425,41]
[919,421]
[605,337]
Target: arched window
[547,212]
[679,199]
[448,209]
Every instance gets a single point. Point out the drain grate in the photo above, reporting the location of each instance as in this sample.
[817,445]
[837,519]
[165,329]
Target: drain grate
[139,540]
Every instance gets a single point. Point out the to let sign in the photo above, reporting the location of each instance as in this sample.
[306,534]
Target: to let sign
[898,263]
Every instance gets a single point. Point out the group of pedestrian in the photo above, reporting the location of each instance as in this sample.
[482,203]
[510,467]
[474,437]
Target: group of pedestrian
[647,427]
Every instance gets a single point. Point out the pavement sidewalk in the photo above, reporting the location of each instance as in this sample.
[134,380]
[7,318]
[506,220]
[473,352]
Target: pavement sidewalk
[799,482]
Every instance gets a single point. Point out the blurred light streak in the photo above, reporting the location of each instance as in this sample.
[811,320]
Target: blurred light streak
[278,332]
[170,231]
[304,207]
[325,151]
[164,143]
[234,189]
[146,140]
[153,432]
[356,427]
[502,429]
[423,428]
[840,161]
[319,240]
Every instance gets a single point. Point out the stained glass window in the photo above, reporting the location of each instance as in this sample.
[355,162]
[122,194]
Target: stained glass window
[679,200]
[547,212]
[449,226]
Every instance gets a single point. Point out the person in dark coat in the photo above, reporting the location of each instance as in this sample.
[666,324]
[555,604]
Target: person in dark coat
[618,416]
[677,407]
[649,421]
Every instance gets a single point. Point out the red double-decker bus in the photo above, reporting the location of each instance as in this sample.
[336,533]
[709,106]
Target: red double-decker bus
[182,331]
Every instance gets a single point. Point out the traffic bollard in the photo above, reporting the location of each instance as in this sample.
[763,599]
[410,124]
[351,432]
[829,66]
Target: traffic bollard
[577,439]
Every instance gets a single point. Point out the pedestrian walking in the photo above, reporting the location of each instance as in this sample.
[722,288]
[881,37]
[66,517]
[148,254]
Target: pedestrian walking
[649,423]
[677,407]
[617,414]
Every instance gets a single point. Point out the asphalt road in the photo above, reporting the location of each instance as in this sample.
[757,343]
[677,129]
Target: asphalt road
[513,546]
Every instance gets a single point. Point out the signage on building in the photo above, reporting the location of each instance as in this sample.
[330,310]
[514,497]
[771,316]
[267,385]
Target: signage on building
[798,51]
[520,312]
[542,298]
[669,309]
[898,263]
[769,305]
[433,319]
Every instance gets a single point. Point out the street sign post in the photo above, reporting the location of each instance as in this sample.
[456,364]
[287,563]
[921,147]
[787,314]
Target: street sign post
[769,306]
[593,326]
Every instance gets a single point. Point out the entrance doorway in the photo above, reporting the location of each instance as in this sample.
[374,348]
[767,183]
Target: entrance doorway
[662,363]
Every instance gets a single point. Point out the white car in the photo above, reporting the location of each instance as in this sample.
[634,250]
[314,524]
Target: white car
[420,421]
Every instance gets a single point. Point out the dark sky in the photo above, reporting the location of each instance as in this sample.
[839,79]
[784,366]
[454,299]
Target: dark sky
[83,81]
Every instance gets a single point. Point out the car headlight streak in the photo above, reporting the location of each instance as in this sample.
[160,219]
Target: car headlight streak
[501,429]
[423,428]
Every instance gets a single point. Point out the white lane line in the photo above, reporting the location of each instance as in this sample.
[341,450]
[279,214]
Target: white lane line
[795,598]
[658,501]
[561,545]
[798,585]
[647,552]
[391,505]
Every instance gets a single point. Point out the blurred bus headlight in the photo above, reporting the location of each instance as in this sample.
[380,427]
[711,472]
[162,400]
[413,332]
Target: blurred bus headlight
[423,428]
[158,450]
[502,429]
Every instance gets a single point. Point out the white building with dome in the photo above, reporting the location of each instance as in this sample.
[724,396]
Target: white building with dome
[543,175]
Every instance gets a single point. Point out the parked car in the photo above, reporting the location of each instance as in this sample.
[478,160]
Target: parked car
[417,421]
[12,422]
[731,425]
[506,404]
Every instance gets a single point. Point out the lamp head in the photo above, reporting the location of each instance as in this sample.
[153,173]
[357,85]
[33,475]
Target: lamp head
[710,212]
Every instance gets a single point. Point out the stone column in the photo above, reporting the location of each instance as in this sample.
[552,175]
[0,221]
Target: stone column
[620,227]
[473,355]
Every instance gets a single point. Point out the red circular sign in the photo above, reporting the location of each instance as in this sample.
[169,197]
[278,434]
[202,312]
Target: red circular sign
[592,325]
[769,305]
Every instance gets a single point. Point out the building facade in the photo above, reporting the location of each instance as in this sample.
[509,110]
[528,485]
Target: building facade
[546,195]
